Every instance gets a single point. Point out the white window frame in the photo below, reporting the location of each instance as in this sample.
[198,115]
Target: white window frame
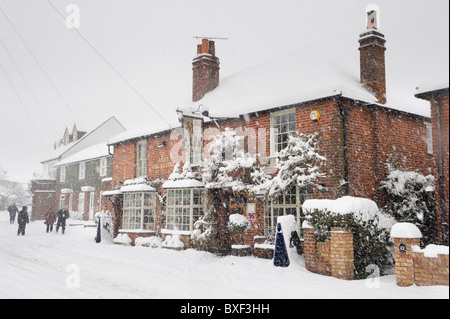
[285,205]
[429,137]
[184,207]
[70,201]
[81,201]
[62,201]
[139,211]
[103,166]
[197,142]
[278,120]
[141,158]
[62,174]
[82,170]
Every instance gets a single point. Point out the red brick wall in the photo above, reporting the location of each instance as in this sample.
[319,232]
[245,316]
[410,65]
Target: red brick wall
[440,100]
[430,271]
[333,257]
[124,162]
[44,198]
[376,136]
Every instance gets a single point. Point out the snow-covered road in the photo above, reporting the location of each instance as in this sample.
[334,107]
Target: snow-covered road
[41,265]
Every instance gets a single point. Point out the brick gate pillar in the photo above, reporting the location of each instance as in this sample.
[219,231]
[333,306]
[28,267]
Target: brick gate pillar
[405,236]
[309,247]
[341,249]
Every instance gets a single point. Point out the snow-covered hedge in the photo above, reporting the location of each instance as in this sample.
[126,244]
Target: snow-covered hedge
[371,229]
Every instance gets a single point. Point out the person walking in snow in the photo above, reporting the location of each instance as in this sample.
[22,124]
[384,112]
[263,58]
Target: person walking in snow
[50,219]
[22,220]
[13,210]
[63,214]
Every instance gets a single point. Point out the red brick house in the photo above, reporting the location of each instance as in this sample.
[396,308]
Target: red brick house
[312,90]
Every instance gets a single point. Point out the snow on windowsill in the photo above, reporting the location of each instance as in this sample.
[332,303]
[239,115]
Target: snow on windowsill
[176,232]
[265,246]
[136,231]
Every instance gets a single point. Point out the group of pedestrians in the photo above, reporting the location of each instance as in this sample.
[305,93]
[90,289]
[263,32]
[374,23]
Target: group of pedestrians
[50,218]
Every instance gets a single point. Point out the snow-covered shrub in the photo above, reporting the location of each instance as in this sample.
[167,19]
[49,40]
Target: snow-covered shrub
[205,234]
[229,165]
[238,223]
[370,227]
[299,165]
[152,242]
[409,201]
[123,239]
[173,242]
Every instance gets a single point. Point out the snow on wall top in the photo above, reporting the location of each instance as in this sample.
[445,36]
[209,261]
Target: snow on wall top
[405,230]
[431,251]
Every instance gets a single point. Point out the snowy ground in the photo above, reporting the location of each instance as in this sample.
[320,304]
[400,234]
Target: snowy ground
[41,265]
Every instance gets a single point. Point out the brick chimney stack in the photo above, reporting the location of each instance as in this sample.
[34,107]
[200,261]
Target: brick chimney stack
[372,58]
[205,70]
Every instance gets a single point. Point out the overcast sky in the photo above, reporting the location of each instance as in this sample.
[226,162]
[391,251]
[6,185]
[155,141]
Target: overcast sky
[150,43]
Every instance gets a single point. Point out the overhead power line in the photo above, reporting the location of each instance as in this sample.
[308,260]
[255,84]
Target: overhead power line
[40,65]
[112,67]
[21,103]
[27,84]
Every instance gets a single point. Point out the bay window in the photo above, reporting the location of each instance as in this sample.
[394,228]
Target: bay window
[139,211]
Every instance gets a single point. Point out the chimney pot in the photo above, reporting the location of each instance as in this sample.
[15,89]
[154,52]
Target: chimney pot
[205,46]
[212,48]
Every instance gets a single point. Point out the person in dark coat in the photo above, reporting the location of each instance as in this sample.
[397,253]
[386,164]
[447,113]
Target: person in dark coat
[63,214]
[50,219]
[22,220]
[13,210]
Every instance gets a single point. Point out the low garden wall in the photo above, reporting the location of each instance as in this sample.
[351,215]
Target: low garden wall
[422,267]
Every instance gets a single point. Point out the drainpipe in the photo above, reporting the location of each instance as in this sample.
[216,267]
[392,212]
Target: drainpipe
[344,112]
[443,214]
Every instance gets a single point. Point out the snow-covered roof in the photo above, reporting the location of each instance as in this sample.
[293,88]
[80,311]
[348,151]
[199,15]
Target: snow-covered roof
[312,72]
[100,134]
[434,85]
[89,153]
[137,185]
[183,183]
[141,132]
[307,74]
